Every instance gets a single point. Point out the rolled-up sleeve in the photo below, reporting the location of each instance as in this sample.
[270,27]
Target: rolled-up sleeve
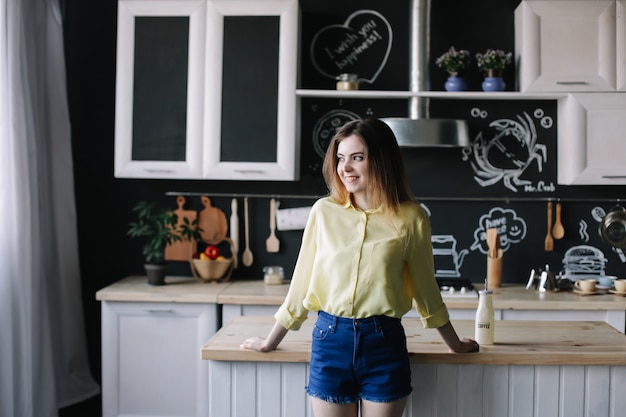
[292,312]
[421,275]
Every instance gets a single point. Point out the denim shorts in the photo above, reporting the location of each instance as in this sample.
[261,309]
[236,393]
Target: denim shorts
[354,359]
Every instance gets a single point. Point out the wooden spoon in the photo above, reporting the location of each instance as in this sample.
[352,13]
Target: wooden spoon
[549,243]
[272,243]
[246,257]
[558,231]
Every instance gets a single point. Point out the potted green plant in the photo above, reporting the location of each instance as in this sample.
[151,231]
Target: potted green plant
[455,63]
[158,227]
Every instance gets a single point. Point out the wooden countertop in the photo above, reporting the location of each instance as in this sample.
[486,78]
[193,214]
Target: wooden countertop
[176,290]
[517,343]
[256,292]
[508,297]
[253,292]
[516,297]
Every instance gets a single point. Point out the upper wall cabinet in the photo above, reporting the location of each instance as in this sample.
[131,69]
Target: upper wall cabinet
[159,89]
[206,89]
[250,97]
[591,145]
[571,45]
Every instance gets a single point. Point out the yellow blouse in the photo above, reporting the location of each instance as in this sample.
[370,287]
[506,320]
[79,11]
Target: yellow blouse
[356,264]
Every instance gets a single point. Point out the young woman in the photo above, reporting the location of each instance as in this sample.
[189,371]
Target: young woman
[366,255]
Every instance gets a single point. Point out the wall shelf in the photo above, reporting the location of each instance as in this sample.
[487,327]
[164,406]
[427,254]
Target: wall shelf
[465,95]
[422,198]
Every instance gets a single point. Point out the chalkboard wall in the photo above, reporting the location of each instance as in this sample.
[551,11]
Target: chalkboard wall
[508,172]
[504,179]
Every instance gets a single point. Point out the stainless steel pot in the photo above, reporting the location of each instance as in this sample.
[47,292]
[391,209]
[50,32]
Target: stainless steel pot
[613,227]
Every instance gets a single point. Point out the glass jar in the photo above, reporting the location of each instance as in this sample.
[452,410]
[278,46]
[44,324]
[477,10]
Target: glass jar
[274,275]
[347,82]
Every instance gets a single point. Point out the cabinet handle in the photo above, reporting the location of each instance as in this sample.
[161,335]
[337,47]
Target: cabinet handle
[610,177]
[157,171]
[250,171]
[572,82]
[159,310]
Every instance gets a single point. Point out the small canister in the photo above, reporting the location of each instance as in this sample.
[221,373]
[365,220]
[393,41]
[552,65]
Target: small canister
[347,82]
[274,275]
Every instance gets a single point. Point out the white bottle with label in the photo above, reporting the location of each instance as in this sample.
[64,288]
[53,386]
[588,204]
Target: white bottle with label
[485,321]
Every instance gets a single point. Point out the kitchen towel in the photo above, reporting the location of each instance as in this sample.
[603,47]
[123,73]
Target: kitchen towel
[292,218]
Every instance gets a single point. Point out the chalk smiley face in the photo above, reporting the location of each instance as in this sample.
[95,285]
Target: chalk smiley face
[360,46]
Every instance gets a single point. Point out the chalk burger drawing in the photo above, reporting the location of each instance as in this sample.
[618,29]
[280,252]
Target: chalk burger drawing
[507,154]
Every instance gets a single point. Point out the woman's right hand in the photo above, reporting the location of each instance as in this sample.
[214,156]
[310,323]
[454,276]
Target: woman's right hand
[255,343]
[262,344]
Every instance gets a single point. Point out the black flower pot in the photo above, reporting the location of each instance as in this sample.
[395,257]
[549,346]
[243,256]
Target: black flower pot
[156,273]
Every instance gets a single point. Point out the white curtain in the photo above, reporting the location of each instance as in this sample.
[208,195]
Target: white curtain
[43,355]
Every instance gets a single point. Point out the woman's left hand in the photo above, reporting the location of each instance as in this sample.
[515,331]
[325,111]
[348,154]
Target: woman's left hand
[466,345]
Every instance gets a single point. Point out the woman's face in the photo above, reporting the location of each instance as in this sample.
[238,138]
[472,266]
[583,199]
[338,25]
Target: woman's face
[352,164]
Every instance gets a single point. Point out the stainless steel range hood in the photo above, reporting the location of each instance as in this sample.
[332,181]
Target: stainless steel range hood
[419,130]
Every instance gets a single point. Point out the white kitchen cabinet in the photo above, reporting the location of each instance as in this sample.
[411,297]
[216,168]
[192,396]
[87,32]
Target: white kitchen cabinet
[570,45]
[198,97]
[250,97]
[591,146]
[159,88]
[151,362]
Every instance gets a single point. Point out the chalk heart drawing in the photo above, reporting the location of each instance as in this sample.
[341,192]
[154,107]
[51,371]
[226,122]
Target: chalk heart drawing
[360,46]
[511,229]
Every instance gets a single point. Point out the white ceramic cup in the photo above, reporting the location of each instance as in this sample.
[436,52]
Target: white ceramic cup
[586,285]
[620,284]
[606,280]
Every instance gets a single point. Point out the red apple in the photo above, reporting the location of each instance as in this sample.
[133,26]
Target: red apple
[212,252]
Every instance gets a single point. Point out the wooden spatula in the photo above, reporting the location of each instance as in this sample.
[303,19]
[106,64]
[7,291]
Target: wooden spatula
[272,243]
[558,231]
[492,242]
[549,242]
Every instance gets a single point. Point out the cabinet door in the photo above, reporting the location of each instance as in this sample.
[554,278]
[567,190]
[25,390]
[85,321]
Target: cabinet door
[159,85]
[621,44]
[566,45]
[250,102]
[591,145]
[151,361]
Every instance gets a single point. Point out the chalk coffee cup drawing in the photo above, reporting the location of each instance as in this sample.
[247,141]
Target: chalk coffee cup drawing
[620,285]
[586,285]
[606,281]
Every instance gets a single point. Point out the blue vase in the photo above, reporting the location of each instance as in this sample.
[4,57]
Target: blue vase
[455,84]
[493,84]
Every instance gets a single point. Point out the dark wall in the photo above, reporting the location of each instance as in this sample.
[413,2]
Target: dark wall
[465,190]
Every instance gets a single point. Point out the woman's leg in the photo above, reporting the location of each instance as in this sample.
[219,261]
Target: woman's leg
[323,408]
[376,409]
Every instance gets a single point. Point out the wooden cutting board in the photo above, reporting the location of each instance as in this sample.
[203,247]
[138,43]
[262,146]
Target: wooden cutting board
[212,221]
[181,251]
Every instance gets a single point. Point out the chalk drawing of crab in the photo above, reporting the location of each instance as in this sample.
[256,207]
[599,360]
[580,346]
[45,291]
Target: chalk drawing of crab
[508,154]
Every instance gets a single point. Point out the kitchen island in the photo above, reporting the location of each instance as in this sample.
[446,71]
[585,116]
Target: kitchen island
[151,336]
[538,369]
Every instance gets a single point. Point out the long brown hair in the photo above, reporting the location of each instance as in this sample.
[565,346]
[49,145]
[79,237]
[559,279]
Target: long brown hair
[388,185]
